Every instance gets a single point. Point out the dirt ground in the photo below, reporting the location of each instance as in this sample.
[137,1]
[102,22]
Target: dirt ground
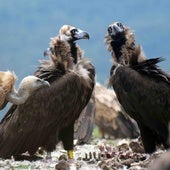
[99,154]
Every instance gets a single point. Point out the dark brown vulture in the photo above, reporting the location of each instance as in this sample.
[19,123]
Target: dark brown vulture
[48,116]
[8,93]
[141,87]
[83,127]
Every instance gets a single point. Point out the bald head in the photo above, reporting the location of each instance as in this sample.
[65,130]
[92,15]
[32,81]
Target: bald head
[32,83]
[70,33]
[26,88]
[115,28]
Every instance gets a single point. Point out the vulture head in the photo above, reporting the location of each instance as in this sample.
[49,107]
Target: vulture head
[31,83]
[27,86]
[71,34]
[66,41]
[116,29]
[120,41]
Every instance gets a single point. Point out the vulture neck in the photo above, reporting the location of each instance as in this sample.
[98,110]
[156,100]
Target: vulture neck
[117,42]
[18,97]
[73,51]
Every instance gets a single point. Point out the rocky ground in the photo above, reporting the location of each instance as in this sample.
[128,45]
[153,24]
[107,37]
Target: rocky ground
[99,154]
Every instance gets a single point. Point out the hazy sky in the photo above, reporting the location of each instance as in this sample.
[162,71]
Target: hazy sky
[26,28]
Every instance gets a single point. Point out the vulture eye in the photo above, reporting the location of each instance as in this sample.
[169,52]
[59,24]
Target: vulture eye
[120,25]
[39,80]
[109,30]
[73,31]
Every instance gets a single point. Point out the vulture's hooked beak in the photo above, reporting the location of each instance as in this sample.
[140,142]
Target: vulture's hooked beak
[45,83]
[80,34]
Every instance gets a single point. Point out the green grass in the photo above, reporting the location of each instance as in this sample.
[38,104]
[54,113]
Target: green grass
[23,167]
[96,133]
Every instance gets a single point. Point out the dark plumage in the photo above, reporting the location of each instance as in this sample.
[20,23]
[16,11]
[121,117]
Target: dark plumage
[48,116]
[141,87]
[84,124]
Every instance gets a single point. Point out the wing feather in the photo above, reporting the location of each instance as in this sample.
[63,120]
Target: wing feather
[32,124]
[149,96]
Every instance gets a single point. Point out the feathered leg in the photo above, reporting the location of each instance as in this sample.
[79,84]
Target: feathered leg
[148,138]
[67,137]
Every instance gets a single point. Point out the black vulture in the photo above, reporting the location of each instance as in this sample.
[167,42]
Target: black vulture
[142,88]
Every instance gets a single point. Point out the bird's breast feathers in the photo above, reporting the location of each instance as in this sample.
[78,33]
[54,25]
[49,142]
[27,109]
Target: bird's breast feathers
[82,69]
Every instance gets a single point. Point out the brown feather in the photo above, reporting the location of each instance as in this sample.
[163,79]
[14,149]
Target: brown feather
[83,127]
[110,116]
